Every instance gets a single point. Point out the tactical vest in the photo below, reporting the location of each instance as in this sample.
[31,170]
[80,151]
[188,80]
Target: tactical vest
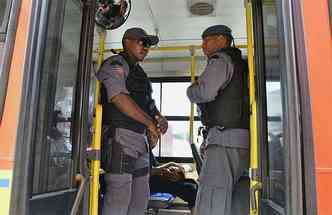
[139,87]
[230,109]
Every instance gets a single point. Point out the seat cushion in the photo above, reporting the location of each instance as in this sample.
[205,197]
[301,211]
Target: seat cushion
[160,200]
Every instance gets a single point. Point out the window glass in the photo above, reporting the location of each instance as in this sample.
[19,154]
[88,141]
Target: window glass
[174,99]
[3,6]
[2,44]
[273,72]
[175,105]
[4,14]
[275,140]
[175,143]
[54,146]
[156,94]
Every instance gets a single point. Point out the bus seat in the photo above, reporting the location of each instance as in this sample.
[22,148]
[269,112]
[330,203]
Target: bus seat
[159,201]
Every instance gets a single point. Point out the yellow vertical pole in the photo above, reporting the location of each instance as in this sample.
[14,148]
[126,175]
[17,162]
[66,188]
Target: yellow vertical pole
[101,51]
[254,183]
[96,145]
[191,119]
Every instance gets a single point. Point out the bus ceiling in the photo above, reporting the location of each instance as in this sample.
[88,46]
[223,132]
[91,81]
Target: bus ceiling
[179,28]
[180,25]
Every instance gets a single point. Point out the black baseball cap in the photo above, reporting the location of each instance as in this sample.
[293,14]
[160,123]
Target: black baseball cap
[217,30]
[140,34]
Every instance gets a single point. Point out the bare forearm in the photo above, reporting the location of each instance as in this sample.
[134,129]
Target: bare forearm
[127,106]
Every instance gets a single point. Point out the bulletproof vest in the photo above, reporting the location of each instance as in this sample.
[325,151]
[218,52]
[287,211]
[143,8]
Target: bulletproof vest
[139,87]
[230,109]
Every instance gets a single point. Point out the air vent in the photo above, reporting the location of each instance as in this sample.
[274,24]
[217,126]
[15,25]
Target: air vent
[201,7]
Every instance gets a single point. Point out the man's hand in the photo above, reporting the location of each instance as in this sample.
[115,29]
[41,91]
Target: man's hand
[153,134]
[162,123]
[153,140]
[172,173]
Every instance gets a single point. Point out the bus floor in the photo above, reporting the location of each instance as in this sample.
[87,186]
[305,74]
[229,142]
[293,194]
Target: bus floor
[240,202]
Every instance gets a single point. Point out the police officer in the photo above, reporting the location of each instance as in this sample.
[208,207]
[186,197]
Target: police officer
[221,93]
[129,117]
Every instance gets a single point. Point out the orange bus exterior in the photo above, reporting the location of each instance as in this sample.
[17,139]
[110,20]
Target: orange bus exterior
[318,39]
[9,122]
[318,42]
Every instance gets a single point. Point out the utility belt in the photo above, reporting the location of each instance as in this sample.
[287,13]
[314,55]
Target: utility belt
[137,129]
[204,130]
[114,159]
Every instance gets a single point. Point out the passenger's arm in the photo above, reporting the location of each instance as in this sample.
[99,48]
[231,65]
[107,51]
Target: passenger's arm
[155,171]
[169,171]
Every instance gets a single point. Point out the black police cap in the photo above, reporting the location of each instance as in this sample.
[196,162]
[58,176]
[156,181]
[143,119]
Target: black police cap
[217,30]
[140,34]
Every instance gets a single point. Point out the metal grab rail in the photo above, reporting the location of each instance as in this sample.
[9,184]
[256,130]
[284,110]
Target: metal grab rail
[96,145]
[255,184]
[196,156]
[172,48]
[82,181]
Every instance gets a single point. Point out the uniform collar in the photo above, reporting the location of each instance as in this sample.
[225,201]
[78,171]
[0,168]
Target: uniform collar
[233,52]
[128,59]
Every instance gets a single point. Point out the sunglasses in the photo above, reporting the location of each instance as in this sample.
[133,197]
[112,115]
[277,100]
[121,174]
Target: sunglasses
[144,43]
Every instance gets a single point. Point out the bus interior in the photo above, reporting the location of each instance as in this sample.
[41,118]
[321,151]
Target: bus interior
[60,124]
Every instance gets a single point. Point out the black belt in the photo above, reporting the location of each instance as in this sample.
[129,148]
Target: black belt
[139,130]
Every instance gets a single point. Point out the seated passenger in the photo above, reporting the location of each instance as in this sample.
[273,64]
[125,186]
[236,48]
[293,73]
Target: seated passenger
[170,178]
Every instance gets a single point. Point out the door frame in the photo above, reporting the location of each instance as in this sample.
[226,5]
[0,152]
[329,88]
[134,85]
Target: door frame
[22,200]
[299,156]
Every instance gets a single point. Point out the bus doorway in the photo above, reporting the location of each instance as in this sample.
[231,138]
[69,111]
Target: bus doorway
[54,120]
[277,160]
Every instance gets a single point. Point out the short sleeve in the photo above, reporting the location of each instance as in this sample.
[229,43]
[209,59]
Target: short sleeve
[113,76]
[216,75]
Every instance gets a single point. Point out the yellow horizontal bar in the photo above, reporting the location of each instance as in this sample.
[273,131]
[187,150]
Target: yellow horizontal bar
[172,48]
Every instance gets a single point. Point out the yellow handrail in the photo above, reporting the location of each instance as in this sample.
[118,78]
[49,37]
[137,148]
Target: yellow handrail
[253,106]
[96,145]
[173,48]
[191,119]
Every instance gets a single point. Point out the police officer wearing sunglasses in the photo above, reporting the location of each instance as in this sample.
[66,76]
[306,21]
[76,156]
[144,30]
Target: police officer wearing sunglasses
[130,118]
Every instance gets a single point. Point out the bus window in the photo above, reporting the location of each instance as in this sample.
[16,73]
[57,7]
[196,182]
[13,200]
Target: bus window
[275,102]
[178,105]
[2,44]
[54,164]
[4,11]
[156,88]
[4,15]
[175,143]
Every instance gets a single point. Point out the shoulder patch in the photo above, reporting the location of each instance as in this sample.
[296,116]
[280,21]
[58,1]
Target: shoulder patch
[116,63]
